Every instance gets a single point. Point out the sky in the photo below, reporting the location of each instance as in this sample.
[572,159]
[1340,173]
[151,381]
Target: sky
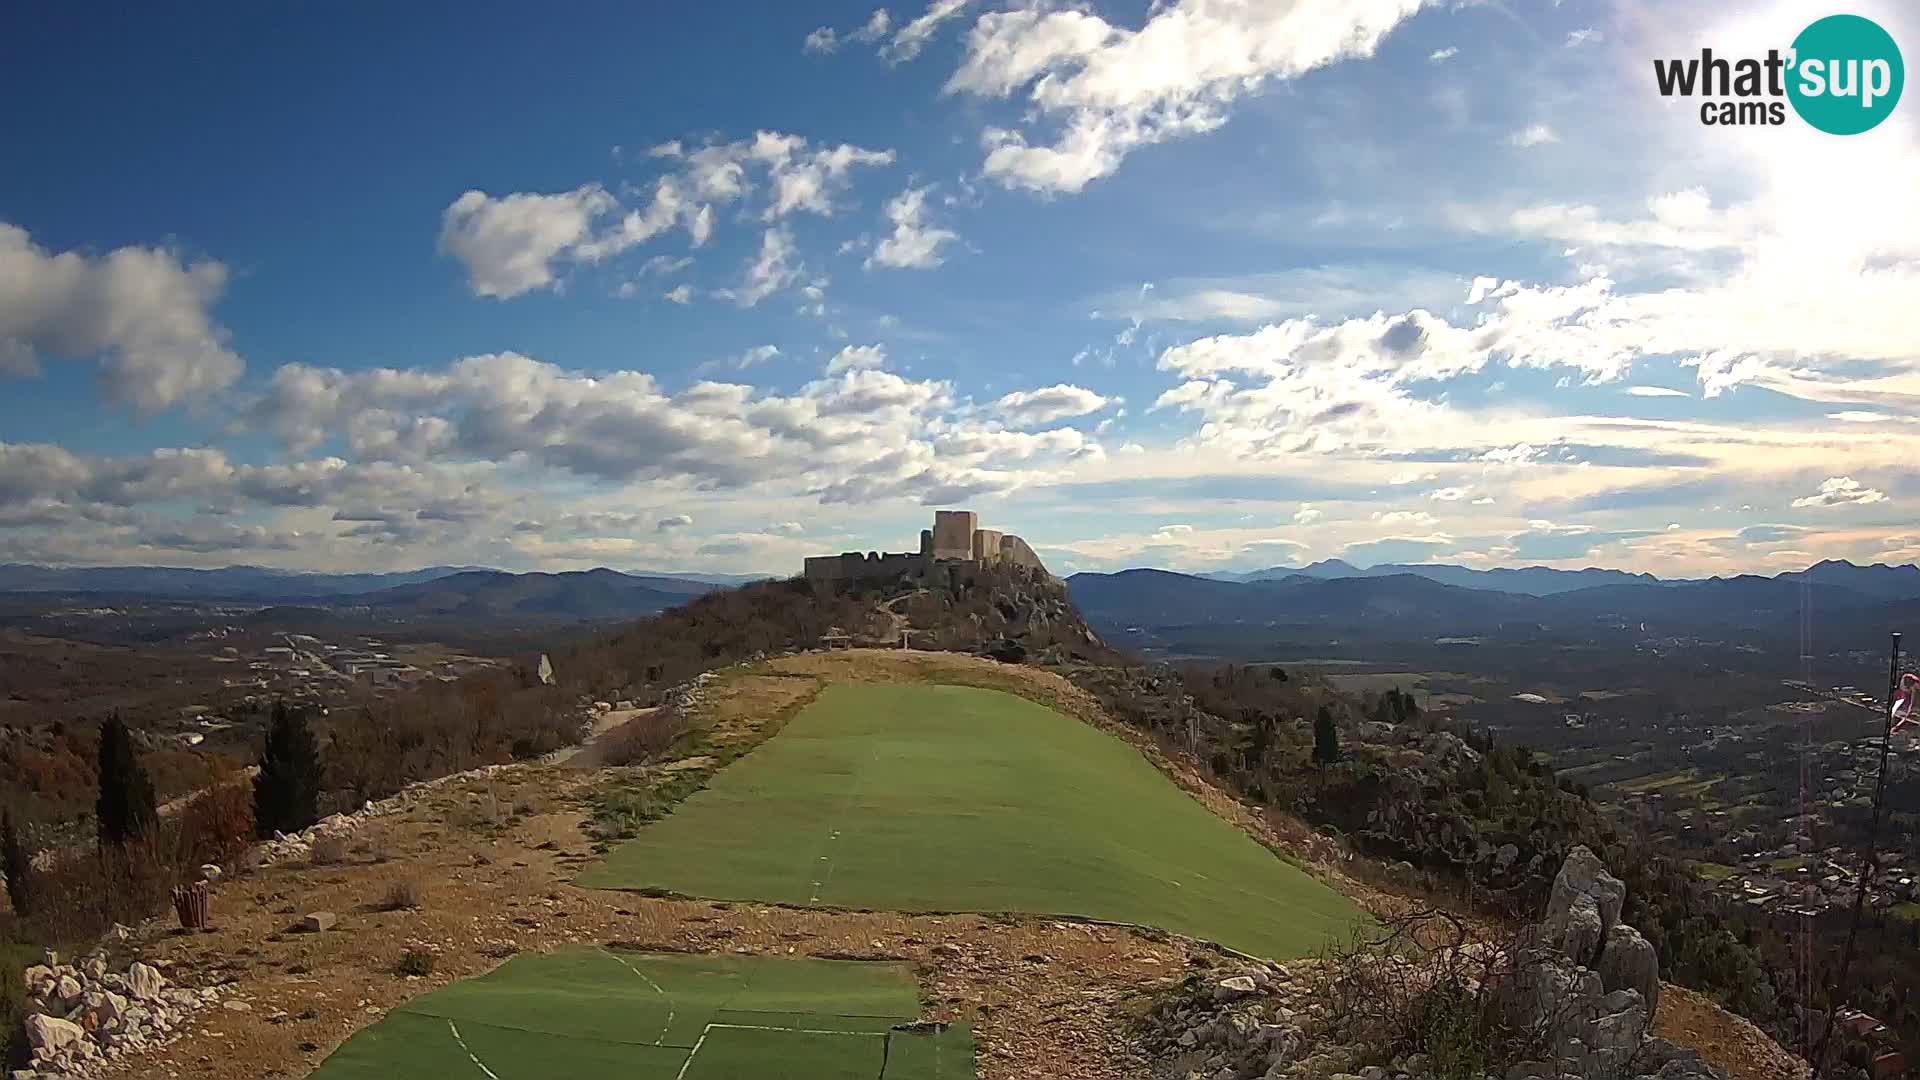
[1197,284]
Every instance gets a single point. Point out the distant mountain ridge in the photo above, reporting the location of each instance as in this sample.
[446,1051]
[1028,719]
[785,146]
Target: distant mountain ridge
[1876,580]
[263,584]
[1322,602]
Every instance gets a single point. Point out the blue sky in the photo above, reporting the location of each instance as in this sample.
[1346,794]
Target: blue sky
[1198,284]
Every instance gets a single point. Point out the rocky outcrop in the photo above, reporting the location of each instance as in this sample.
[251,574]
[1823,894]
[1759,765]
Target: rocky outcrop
[1627,962]
[1591,983]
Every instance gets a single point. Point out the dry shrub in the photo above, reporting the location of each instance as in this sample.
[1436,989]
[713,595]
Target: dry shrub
[1427,983]
[81,897]
[415,961]
[643,738]
[329,850]
[402,895]
[217,824]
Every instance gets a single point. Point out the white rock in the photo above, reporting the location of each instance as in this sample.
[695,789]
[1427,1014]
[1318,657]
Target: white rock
[49,1035]
[1234,989]
[144,981]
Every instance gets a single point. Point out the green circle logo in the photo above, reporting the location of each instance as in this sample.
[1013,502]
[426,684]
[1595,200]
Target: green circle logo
[1846,76]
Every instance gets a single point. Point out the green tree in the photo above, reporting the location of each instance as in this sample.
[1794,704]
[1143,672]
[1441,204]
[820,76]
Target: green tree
[1326,738]
[126,808]
[17,863]
[286,794]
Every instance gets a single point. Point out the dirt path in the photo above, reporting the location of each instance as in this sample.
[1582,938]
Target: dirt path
[590,754]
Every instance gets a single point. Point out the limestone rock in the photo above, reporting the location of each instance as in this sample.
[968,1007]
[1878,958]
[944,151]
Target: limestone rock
[1503,858]
[1628,962]
[68,990]
[49,1035]
[1581,930]
[1234,989]
[317,921]
[144,981]
[1582,875]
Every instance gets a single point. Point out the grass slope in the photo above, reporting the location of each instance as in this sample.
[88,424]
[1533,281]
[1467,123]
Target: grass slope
[585,1013]
[947,798]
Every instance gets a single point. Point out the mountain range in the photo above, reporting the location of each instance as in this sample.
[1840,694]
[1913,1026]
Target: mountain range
[242,583]
[1879,579]
[1324,602]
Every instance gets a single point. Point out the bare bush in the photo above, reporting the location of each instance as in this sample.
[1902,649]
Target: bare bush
[644,738]
[1426,982]
[401,896]
[329,850]
[415,961]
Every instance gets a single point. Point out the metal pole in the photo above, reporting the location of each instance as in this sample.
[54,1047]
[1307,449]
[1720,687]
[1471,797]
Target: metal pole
[1869,862]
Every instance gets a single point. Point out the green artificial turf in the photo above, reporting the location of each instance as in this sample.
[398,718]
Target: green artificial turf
[947,798]
[587,1013]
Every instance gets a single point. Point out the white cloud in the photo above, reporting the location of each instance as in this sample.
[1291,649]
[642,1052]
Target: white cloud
[676,521]
[1114,89]
[914,242]
[770,271]
[141,311]
[679,294]
[1656,391]
[1307,514]
[857,358]
[1583,36]
[1024,408]
[822,40]
[512,245]
[509,244]
[755,356]
[914,36]
[1841,491]
[1449,494]
[1533,135]
[1440,56]
[786,528]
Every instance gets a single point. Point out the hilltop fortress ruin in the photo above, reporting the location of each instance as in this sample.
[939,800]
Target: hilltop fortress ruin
[956,540]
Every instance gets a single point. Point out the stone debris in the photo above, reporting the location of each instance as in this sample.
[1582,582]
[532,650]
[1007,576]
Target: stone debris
[82,1017]
[318,921]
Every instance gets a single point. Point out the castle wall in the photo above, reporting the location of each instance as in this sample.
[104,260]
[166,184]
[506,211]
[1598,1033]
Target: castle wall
[874,564]
[986,545]
[1016,551]
[955,538]
[953,533]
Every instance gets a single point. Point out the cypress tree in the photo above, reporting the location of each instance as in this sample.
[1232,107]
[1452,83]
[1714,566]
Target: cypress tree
[286,794]
[18,866]
[1326,738]
[126,808]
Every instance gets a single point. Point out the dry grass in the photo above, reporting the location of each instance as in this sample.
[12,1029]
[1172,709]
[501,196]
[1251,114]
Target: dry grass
[642,739]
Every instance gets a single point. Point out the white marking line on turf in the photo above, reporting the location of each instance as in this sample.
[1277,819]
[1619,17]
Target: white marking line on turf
[471,1056]
[701,1041]
[661,1041]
